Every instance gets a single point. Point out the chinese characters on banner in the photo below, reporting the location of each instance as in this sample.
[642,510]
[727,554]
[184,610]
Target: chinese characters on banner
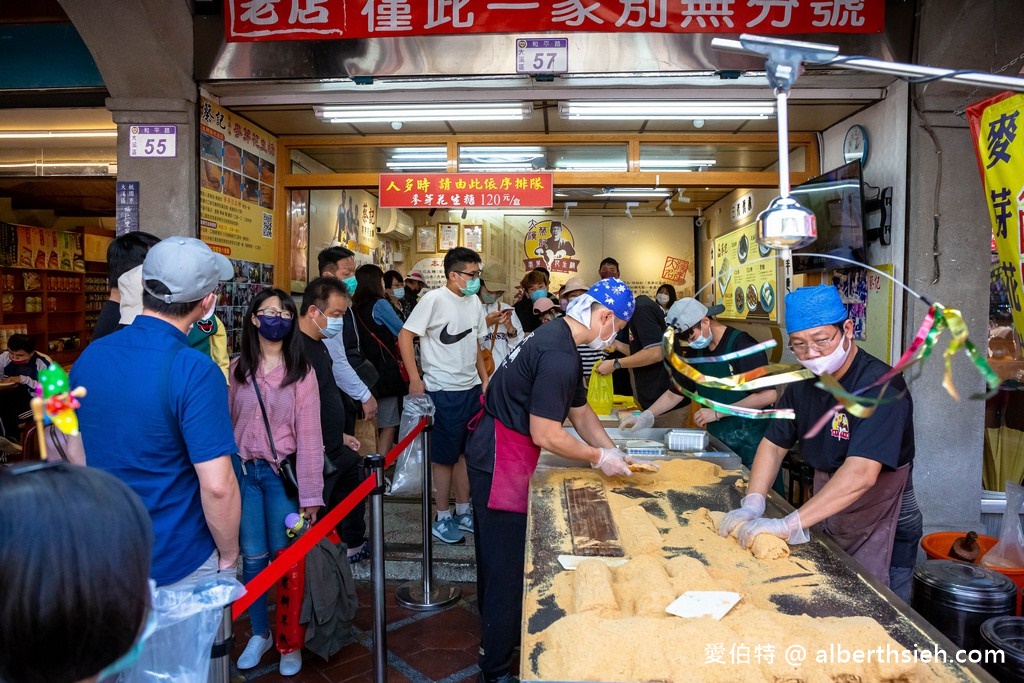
[468,190]
[252,20]
[1001,161]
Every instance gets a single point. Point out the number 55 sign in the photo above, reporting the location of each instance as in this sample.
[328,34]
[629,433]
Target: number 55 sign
[153,141]
[542,55]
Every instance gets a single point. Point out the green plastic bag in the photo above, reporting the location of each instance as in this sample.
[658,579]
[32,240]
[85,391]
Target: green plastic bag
[599,393]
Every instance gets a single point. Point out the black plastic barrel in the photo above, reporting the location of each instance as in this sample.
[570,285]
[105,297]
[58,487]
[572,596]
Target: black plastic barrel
[958,597]
[1006,634]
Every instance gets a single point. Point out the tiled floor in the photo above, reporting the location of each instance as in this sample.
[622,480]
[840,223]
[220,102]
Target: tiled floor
[441,645]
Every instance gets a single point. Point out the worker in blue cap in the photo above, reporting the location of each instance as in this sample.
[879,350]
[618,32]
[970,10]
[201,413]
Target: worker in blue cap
[534,389]
[863,489]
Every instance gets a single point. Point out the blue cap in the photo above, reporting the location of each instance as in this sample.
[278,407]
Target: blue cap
[614,294]
[809,307]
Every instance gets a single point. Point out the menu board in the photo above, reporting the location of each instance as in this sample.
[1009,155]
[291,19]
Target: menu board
[746,276]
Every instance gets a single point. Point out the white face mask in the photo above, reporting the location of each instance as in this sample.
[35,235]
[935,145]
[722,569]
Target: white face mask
[599,343]
[662,299]
[830,363]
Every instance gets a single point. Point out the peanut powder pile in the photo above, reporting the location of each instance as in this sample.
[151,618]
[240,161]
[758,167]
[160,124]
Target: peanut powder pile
[599,623]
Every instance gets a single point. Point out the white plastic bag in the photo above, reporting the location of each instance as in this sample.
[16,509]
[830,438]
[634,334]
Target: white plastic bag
[408,479]
[1009,551]
[177,647]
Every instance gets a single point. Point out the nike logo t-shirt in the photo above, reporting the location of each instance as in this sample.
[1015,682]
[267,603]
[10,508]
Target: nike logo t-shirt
[450,327]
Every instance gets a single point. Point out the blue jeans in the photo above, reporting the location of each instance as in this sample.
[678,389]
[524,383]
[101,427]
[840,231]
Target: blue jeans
[262,531]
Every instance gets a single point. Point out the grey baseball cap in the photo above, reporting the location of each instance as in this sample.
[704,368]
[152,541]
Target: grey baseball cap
[687,312]
[186,267]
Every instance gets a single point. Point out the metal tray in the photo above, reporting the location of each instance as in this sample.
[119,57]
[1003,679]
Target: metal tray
[717,452]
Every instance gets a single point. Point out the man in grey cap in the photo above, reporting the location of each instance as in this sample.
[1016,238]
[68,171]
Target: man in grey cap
[156,416]
[695,323]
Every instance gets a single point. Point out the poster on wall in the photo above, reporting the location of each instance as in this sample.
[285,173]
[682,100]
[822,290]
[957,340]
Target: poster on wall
[346,218]
[426,239]
[236,185]
[448,236]
[746,276]
[298,217]
[550,244]
[473,237]
[432,269]
[235,297]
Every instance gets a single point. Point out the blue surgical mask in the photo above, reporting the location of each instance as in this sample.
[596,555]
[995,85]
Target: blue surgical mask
[472,286]
[274,329]
[334,326]
[538,294]
[350,284]
[399,292]
[700,342]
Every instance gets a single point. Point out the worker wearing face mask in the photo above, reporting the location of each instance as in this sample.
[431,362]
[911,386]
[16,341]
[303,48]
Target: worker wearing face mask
[863,491]
[532,392]
[695,323]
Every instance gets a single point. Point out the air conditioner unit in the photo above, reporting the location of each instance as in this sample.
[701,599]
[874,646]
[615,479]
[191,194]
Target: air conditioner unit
[394,224]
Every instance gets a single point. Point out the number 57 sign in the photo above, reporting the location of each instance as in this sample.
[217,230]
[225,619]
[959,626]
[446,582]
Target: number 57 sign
[542,55]
[152,141]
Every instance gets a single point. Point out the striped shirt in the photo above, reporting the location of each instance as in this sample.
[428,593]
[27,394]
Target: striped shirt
[589,357]
[294,415]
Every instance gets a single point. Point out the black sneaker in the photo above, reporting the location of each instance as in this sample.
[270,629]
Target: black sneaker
[362,554]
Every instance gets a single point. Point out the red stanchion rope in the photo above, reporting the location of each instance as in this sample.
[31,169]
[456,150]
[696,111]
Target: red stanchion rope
[262,582]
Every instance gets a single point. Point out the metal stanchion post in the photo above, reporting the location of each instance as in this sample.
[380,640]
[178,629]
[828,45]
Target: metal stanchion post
[220,662]
[375,464]
[428,595]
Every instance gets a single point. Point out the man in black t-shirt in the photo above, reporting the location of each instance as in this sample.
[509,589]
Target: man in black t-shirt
[648,377]
[863,491]
[534,389]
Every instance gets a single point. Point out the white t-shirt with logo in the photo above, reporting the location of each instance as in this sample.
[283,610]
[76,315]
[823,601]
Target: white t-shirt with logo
[450,328]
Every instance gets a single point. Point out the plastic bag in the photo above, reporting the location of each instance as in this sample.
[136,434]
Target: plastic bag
[599,393]
[1009,551]
[408,479]
[177,646]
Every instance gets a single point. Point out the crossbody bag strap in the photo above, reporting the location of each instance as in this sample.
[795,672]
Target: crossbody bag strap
[494,332]
[381,344]
[266,420]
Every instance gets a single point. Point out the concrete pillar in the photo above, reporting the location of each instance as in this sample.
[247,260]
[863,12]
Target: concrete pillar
[957,35]
[144,50]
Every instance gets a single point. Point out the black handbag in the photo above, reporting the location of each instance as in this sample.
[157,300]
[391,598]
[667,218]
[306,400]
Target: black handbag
[287,465]
[393,377]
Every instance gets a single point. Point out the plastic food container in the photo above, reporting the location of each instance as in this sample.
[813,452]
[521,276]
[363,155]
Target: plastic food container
[686,440]
[644,447]
[957,598]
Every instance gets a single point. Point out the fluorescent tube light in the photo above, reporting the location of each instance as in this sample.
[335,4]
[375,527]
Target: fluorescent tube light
[53,134]
[640,192]
[665,110]
[660,164]
[459,111]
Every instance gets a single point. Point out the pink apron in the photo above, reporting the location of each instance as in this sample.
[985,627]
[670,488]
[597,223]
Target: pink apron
[865,529]
[515,460]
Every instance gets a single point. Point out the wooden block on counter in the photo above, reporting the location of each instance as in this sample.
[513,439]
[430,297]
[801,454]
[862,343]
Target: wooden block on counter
[590,519]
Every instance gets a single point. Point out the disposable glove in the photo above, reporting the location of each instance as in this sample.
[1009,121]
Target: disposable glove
[25,379]
[789,529]
[644,420]
[751,507]
[612,463]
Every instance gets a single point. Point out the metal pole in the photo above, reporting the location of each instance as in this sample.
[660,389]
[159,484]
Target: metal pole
[220,653]
[375,464]
[428,595]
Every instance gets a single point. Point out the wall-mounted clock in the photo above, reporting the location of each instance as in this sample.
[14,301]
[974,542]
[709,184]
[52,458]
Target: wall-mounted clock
[855,145]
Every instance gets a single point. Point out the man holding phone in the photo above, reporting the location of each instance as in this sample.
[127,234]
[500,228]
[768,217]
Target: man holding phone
[504,331]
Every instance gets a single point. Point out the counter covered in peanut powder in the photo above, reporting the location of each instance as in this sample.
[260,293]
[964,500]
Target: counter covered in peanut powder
[803,615]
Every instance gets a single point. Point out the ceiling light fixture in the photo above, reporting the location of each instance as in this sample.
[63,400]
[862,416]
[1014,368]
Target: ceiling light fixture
[674,164]
[640,192]
[457,111]
[48,134]
[666,110]
[681,196]
[565,213]
[630,205]
[465,212]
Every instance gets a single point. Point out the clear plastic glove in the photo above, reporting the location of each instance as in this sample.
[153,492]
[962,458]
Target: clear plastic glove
[26,380]
[788,528]
[751,507]
[612,463]
[634,422]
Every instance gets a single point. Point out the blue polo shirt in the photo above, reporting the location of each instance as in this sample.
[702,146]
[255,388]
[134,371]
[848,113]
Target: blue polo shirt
[154,408]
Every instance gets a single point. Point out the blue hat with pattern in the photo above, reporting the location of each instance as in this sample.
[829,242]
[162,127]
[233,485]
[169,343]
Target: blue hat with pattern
[614,294]
[809,307]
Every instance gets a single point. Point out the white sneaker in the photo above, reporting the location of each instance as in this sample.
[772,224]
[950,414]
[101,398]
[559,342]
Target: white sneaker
[291,663]
[254,651]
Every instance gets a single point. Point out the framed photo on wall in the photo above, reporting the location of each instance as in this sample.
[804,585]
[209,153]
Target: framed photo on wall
[473,237]
[426,239]
[448,236]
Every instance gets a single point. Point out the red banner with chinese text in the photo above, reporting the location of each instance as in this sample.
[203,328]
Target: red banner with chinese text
[1001,162]
[465,190]
[261,20]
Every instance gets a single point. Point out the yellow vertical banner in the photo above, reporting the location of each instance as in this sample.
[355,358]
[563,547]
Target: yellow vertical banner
[1000,150]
